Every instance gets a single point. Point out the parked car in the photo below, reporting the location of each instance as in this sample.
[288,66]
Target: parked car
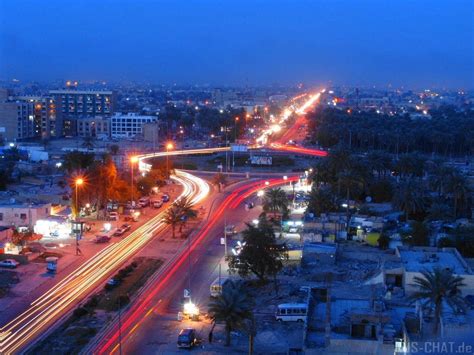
[119,232]
[230,229]
[126,227]
[157,203]
[187,338]
[113,216]
[144,201]
[102,238]
[165,197]
[10,263]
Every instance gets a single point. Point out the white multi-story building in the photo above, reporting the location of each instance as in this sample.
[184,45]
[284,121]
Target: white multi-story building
[129,125]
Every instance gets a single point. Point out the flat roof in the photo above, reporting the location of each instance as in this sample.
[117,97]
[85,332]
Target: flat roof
[81,92]
[419,260]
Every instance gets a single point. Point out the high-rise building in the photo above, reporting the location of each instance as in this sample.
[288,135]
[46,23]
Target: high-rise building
[72,104]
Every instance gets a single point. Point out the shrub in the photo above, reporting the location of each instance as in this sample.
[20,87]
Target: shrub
[80,312]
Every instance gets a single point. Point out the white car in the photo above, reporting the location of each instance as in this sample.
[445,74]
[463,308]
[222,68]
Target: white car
[11,263]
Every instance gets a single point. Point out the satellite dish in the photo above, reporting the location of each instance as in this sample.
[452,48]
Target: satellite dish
[368,199]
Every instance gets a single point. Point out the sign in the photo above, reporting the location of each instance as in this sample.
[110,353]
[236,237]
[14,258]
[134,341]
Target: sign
[261,160]
[222,241]
[187,294]
[238,147]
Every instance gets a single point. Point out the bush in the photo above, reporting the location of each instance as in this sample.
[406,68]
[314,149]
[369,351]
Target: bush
[446,242]
[384,241]
[80,312]
[92,302]
[381,191]
[134,264]
[122,301]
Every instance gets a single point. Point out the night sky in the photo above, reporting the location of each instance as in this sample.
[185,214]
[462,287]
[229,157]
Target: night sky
[416,43]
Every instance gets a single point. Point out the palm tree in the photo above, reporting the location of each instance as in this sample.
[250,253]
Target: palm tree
[173,216]
[233,307]
[185,208]
[437,287]
[459,187]
[220,180]
[440,177]
[409,197]
[275,201]
[88,142]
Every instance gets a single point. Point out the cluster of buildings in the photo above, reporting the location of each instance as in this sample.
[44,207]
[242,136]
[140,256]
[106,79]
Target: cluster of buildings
[395,101]
[65,113]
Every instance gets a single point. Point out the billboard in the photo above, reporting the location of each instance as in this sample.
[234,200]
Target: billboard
[260,160]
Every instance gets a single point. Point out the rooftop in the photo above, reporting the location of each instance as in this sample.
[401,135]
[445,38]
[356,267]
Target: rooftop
[419,259]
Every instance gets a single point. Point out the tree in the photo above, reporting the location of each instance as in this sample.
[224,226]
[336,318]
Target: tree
[172,217]
[384,241]
[185,207]
[261,255]
[114,149]
[275,201]
[321,200]
[409,197]
[88,142]
[459,188]
[76,161]
[232,307]
[219,180]
[419,234]
[437,287]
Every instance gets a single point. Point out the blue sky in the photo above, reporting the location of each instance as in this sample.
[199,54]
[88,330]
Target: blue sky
[417,43]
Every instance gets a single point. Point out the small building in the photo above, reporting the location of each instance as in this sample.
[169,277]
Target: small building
[129,125]
[319,253]
[19,214]
[414,260]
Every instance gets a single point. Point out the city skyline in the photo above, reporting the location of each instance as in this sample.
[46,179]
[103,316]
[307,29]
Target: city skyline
[209,42]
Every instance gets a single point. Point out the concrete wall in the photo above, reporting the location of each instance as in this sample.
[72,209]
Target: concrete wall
[11,215]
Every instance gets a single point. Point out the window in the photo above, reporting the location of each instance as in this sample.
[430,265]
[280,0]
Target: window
[1,216]
[23,216]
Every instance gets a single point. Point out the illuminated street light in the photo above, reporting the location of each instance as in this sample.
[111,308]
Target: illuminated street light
[79,181]
[133,160]
[267,183]
[260,193]
[169,146]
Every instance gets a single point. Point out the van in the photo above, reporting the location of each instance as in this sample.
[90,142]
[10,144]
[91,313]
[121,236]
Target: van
[216,286]
[291,312]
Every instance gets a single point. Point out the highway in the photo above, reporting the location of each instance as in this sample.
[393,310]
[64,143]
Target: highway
[60,299]
[175,273]
[53,305]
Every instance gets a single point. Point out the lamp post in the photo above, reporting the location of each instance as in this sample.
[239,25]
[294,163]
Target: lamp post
[133,160]
[77,226]
[235,141]
[169,146]
[78,182]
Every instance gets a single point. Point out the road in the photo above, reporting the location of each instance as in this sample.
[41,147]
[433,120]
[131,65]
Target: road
[55,303]
[174,275]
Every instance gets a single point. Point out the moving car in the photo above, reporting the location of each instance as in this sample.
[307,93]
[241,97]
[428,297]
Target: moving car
[126,227]
[187,338]
[102,238]
[11,263]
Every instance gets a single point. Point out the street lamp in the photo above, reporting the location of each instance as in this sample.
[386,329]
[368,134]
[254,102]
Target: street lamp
[169,146]
[78,182]
[235,141]
[133,160]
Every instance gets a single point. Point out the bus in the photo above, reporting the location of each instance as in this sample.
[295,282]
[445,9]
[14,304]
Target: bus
[291,312]
[216,286]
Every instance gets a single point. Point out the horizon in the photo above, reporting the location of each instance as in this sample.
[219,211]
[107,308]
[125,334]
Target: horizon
[241,44]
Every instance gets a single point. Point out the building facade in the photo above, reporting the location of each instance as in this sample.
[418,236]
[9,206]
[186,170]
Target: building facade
[73,104]
[16,214]
[129,125]
[93,127]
